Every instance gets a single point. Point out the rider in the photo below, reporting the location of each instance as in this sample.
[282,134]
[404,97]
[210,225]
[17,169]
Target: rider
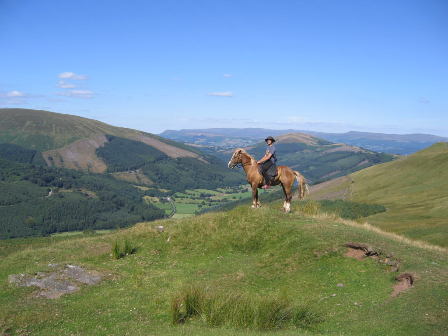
[268,160]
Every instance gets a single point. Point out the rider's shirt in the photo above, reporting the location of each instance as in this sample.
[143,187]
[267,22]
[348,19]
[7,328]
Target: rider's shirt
[271,150]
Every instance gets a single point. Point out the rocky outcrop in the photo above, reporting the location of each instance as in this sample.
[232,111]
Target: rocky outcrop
[63,280]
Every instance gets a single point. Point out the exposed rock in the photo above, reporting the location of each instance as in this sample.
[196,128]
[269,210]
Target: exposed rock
[55,284]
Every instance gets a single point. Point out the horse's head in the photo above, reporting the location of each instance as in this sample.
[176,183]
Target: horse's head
[236,159]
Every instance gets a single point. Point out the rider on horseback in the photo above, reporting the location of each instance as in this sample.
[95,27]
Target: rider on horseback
[268,160]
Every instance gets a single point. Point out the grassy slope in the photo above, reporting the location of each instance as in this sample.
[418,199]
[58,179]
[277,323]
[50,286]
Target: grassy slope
[261,252]
[415,191]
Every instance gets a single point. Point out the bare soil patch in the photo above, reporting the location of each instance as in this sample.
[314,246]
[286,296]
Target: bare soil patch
[405,280]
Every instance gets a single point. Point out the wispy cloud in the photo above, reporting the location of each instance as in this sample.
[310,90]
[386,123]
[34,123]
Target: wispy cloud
[227,75]
[15,97]
[423,99]
[72,75]
[76,94]
[16,101]
[64,85]
[15,94]
[177,80]
[221,94]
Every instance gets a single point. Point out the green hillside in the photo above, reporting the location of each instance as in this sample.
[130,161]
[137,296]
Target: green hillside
[245,272]
[414,189]
[43,130]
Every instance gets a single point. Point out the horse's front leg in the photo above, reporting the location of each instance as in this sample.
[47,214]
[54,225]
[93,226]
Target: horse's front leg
[255,200]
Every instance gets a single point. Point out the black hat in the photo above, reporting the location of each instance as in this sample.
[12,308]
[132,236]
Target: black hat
[269,138]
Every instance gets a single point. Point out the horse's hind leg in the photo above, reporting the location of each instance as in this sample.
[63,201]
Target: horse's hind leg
[288,197]
[255,200]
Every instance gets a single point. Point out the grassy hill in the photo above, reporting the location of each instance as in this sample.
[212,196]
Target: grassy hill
[414,189]
[240,269]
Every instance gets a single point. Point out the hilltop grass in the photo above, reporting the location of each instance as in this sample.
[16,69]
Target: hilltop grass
[259,255]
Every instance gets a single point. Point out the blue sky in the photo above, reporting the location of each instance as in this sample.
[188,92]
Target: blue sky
[330,66]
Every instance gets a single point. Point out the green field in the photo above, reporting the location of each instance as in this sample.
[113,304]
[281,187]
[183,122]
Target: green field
[194,201]
[75,233]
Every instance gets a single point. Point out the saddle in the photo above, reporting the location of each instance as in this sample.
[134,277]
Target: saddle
[271,173]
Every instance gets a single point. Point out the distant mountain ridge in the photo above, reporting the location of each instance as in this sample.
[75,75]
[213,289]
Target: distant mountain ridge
[379,142]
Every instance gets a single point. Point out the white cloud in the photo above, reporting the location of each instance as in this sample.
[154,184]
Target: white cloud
[64,85]
[14,94]
[177,80]
[71,75]
[76,94]
[221,94]
[227,75]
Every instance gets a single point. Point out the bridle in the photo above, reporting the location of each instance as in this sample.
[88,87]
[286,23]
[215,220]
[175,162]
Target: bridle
[240,162]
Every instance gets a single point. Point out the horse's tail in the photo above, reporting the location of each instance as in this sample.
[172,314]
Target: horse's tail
[301,184]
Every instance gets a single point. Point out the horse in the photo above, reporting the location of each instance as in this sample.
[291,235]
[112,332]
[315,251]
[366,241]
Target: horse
[285,177]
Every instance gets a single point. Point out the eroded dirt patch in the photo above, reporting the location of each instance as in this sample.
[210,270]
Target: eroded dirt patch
[355,253]
[362,251]
[405,280]
[63,280]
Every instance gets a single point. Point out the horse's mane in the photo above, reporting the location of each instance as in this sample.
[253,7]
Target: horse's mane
[244,152]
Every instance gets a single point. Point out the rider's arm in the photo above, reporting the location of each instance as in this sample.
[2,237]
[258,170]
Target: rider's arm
[265,158]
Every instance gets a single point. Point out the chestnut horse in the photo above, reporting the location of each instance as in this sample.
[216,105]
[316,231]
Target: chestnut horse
[285,177]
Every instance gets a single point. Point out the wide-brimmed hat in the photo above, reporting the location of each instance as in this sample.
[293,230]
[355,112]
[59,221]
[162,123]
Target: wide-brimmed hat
[269,138]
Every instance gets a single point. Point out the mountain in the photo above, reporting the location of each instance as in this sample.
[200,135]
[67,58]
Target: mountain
[315,158]
[73,142]
[414,189]
[241,137]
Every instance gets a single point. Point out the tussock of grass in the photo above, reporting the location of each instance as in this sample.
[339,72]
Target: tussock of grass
[238,310]
[118,252]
